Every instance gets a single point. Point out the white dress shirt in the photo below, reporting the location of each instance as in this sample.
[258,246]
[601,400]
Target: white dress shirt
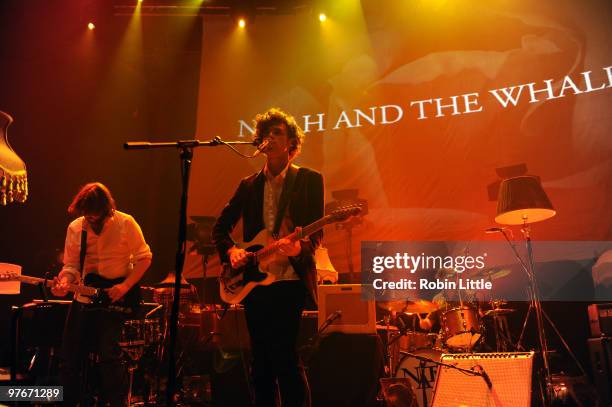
[281,268]
[112,253]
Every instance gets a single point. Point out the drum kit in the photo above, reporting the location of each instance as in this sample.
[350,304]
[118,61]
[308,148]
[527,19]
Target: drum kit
[416,330]
[143,341]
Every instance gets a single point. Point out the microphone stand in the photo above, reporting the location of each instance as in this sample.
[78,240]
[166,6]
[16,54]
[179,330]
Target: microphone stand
[314,341]
[185,148]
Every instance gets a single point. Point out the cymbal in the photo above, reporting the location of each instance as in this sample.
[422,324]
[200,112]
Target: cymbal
[397,306]
[170,285]
[499,311]
[169,281]
[500,273]
[420,307]
[489,274]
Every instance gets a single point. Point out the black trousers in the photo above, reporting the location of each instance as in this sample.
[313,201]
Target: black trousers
[273,315]
[91,338]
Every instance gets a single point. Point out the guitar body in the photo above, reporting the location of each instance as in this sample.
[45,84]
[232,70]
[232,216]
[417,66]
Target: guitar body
[130,302]
[237,283]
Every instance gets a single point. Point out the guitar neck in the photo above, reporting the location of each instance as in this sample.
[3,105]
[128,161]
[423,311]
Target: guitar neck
[75,288]
[305,231]
[312,228]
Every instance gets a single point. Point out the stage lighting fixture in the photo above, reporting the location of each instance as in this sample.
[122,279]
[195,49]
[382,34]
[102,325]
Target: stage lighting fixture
[91,26]
[241,22]
[322,17]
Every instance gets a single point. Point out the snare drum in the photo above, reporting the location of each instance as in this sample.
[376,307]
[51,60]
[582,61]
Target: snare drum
[461,328]
[420,376]
[132,333]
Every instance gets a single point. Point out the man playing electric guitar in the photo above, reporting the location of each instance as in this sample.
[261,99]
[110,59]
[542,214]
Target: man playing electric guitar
[278,198]
[105,248]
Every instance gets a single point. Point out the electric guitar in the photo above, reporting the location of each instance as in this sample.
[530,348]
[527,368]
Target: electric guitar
[94,289]
[235,284]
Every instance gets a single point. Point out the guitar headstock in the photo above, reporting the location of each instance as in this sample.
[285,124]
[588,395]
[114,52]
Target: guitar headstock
[9,276]
[343,213]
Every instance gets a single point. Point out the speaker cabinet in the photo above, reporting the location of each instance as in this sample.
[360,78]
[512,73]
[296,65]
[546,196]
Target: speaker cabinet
[510,375]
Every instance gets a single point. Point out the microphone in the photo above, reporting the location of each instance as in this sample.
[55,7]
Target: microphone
[484,375]
[494,230]
[261,147]
[333,316]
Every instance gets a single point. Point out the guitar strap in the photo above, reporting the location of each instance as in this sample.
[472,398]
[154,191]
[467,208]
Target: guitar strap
[83,250]
[283,201]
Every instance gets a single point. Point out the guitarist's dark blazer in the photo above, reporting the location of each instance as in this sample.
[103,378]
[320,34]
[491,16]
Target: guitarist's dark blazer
[306,205]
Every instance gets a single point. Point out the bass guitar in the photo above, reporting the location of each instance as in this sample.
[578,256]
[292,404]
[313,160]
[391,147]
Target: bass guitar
[235,284]
[93,289]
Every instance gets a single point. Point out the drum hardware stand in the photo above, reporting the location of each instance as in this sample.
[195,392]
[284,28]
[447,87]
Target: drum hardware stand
[131,369]
[200,233]
[390,341]
[185,148]
[503,341]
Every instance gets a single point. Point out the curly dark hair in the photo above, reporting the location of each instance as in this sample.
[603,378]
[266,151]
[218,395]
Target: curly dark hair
[92,198]
[273,116]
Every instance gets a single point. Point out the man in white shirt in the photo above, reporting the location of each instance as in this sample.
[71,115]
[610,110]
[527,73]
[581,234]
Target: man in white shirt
[106,246]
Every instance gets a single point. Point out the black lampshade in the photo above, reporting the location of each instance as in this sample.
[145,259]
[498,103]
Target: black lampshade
[522,200]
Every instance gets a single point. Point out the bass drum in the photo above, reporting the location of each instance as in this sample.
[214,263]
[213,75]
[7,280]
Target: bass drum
[420,376]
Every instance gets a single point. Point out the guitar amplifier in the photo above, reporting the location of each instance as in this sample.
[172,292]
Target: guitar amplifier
[510,375]
[342,306]
[600,319]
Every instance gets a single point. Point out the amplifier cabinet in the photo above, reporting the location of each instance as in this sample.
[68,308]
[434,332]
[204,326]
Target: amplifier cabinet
[510,374]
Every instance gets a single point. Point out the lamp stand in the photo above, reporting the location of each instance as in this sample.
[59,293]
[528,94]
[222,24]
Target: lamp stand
[536,304]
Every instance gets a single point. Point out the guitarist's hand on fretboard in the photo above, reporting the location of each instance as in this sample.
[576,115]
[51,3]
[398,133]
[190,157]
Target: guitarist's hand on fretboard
[289,248]
[60,286]
[238,257]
